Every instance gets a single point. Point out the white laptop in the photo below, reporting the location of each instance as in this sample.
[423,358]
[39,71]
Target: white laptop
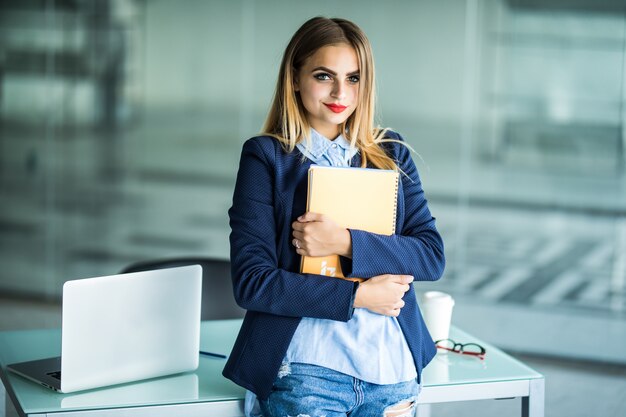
[124,328]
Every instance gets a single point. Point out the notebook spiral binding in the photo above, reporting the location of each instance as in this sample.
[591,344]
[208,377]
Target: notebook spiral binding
[395,207]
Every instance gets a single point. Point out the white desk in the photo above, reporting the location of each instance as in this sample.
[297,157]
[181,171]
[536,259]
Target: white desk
[452,377]
[205,392]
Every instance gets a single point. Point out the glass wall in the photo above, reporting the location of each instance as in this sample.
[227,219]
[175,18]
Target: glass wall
[122,124]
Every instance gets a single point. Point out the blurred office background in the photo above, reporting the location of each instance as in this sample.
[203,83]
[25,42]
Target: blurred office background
[121,124]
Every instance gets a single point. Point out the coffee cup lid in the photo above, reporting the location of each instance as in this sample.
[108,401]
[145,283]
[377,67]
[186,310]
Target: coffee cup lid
[437,296]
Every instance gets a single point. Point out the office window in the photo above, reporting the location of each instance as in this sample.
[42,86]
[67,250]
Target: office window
[122,124]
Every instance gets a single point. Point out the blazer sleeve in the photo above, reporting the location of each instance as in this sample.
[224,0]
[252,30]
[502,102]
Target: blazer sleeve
[259,284]
[416,250]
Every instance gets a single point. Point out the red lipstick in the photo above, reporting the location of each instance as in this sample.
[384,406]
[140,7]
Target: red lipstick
[335,108]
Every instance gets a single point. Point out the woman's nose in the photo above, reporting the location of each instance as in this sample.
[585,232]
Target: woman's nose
[339,90]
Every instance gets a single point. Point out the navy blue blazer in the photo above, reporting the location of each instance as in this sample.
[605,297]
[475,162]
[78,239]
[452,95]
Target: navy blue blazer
[270,193]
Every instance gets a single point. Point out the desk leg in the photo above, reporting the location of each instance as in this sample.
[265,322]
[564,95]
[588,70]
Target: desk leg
[3,400]
[533,405]
[423,410]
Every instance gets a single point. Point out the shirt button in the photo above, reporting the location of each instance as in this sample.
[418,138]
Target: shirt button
[334,145]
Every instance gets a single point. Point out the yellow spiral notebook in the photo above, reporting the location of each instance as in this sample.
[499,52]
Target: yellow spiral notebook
[355,198]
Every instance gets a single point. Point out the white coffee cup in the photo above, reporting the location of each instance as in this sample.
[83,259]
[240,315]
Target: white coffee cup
[436,307]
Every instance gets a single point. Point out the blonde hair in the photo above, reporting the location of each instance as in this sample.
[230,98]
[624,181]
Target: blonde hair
[287,120]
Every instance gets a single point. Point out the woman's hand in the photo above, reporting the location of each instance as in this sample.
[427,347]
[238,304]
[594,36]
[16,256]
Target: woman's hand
[383,294]
[318,235]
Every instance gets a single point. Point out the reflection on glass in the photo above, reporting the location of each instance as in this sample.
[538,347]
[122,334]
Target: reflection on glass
[179,388]
[121,133]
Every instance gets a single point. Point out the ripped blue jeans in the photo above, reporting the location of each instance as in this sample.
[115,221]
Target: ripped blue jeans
[312,391]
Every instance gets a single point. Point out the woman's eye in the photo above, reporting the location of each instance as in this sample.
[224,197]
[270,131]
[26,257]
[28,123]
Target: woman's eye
[353,79]
[322,76]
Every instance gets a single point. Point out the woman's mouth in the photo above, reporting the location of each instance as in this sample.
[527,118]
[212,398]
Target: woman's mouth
[335,108]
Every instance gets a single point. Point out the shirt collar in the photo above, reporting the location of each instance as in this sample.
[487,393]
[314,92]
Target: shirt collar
[319,144]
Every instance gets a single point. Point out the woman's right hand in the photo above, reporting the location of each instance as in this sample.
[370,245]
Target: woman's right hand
[383,294]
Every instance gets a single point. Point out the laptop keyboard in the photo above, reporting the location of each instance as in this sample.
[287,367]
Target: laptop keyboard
[55,374]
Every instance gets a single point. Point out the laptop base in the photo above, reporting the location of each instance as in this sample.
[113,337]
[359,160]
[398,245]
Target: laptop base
[41,371]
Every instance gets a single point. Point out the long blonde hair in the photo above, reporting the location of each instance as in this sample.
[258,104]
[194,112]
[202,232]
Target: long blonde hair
[287,120]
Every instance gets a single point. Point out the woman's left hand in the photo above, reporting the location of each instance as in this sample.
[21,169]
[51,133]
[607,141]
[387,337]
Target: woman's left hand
[315,234]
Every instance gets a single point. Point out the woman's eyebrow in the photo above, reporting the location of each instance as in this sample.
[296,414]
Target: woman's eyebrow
[321,68]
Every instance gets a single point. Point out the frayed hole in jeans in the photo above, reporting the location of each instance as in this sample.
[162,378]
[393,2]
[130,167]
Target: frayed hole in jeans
[284,370]
[402,409]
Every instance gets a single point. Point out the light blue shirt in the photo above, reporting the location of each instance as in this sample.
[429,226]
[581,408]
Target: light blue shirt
[370,347]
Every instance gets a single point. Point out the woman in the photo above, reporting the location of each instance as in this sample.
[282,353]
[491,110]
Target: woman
[311,344]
